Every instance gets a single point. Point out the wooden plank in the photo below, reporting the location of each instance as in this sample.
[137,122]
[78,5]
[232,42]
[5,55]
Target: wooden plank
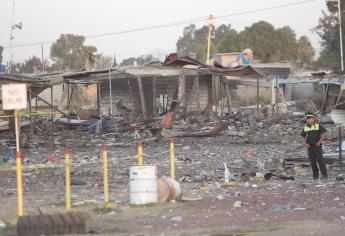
[182,95]
[214,89]
[142,97]
[325,101]
[228,95]
[210,97]
[154,96]
[196,82]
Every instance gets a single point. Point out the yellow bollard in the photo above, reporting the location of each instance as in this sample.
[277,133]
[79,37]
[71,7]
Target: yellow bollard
[105,174]
[68,178]
[172,158]
[19,183]
[140,153]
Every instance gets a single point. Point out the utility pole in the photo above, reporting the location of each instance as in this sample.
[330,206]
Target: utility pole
[210,26]
[341,37]
[42,57]
[13,27]
[11,37]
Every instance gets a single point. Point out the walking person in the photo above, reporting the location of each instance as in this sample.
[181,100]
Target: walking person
[313,135]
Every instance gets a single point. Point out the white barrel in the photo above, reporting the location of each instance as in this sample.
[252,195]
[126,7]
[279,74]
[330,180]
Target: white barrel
[143,185]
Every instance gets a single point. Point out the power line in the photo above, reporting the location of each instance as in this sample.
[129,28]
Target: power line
[265,9]
[193,20]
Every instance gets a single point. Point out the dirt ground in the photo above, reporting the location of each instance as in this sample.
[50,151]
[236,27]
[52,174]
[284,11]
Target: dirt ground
[273,207]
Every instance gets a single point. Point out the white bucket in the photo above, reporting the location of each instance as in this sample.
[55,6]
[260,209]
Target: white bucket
[143,185]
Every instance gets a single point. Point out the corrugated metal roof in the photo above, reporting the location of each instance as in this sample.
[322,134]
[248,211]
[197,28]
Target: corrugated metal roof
[276,70]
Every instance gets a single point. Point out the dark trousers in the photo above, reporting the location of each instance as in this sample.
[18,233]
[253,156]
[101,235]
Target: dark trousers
[315,157]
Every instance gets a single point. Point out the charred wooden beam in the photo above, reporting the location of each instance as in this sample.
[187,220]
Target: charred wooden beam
[196,86]
[154,96]
[182,95]
[142,97]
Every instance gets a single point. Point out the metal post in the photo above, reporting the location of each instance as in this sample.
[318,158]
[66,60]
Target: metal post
[42,57]
[17,128]
[99,100]
[172,158]
[30,112]
[257,99]
[68,177]
[341,37]
[340,145]
[19,183]
[105,174]
[11,37]
[52,117]
[18,165]
[68,96]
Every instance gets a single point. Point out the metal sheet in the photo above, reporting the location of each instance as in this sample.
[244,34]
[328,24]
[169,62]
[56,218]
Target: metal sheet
[338,116]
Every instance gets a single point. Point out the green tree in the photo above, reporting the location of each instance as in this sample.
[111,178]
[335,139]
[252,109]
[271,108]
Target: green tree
[184,41]
[269,44]
[262,38]
[193,42]
[1,50]
[31,65]
[306,52]
[69,52]
[286,44]
[328,30]
[226,39]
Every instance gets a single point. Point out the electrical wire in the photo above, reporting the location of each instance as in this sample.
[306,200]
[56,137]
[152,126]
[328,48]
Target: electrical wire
[181,22]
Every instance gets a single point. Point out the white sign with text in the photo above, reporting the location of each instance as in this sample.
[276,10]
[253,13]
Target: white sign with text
[14,96]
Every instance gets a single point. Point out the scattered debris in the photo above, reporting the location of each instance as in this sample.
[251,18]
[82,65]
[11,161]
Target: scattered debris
[2,225]
[237,204]
[176,219]
[282,207]
[269,175]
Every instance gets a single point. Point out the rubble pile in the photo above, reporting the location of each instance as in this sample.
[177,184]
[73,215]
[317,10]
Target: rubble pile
[216,161]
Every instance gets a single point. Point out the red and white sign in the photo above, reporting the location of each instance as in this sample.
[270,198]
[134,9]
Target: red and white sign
[14,96]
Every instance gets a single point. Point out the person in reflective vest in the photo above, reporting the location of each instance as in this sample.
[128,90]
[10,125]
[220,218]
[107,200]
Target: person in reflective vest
[313,135]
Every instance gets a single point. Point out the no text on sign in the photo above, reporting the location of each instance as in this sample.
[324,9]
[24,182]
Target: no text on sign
[14,96]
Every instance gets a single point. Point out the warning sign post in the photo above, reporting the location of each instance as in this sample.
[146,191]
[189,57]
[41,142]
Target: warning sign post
[14,97]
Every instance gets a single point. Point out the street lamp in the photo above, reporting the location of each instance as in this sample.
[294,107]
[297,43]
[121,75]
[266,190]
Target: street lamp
[210,26]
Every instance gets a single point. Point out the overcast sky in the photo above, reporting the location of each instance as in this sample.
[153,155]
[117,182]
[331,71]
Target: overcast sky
[45,20]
